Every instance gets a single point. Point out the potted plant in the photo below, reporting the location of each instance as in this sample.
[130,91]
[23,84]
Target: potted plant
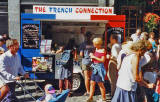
[151,21]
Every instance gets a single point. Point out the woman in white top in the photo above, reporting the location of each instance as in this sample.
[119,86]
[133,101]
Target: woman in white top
[129,74]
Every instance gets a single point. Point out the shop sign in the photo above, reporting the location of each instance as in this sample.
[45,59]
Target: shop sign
[73,12]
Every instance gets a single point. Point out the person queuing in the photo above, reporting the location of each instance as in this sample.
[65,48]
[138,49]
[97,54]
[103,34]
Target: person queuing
[152,41]
[144,36]
[129,73]
[158,53]
[1,50]
[85,49]
[136,37]
[5,38]
[66,68]
[80,37]
[2,44]
[112,66]
[99,72]
[10,67]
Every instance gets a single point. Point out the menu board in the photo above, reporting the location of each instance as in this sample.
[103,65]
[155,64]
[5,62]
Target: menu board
[115,30]
[30,36]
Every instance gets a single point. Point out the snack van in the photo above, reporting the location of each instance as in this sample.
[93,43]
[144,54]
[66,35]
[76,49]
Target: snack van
[50,26]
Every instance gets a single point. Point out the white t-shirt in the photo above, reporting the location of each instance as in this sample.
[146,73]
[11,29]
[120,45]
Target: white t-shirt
[135,37]
[121,54]
[115,50]
[125,79]
[79,39]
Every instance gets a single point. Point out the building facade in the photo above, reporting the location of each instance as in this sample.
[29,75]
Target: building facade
[3,16]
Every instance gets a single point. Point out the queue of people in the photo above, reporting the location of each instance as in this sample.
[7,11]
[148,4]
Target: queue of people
[137,66]
[129,67]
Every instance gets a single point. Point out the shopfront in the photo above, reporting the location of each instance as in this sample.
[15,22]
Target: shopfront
[48,27]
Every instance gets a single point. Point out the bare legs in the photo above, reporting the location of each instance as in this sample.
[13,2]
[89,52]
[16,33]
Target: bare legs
[93,83]
[87,75]
[4,90]
[102,89]
[68,84]
[60,86]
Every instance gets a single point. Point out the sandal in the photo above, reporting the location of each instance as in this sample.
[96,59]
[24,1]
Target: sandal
[89,100]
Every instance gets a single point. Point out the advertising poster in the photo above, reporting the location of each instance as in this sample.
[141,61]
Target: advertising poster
[42,64]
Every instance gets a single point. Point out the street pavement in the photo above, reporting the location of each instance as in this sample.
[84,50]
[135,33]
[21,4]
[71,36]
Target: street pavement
[35,91]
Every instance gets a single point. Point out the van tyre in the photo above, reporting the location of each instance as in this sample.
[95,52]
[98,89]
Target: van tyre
[77,82]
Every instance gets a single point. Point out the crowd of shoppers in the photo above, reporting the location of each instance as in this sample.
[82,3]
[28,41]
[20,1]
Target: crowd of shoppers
[126,69]
[130,69]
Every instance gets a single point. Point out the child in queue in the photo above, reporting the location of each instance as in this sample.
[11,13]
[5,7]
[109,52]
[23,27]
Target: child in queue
[99,72]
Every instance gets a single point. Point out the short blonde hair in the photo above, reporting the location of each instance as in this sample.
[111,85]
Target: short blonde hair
[141,45]
[97,41]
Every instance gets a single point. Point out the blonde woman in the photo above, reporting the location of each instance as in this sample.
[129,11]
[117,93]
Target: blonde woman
[130,74]
[99,72]
[144,36]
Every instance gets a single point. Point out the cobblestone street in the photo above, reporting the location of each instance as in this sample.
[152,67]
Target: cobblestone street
[36,93]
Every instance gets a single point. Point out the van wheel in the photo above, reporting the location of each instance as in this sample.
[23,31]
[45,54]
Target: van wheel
[77,82]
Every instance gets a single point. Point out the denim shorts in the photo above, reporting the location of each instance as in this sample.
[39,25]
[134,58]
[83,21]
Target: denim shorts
[96,77]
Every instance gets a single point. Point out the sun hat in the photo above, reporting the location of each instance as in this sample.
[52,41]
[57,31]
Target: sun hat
[50,88]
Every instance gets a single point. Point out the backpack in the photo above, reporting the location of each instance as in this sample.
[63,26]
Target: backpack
[65,57]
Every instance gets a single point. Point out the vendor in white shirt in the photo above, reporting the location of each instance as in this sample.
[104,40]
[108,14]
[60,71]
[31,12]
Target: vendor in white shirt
[136,37]
[80,38]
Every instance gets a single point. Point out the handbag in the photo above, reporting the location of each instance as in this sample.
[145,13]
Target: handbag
[65,57]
